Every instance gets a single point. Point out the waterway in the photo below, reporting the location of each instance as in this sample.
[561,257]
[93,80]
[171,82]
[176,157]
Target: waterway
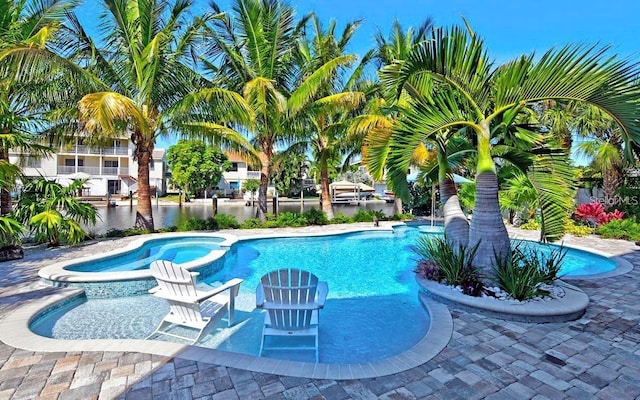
[123,216]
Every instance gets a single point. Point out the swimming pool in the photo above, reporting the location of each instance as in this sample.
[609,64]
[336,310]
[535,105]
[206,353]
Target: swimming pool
[372,311]
[372,296]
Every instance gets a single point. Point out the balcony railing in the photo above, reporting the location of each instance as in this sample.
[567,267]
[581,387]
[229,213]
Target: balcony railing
[253,174]
[93,171]
[106,151]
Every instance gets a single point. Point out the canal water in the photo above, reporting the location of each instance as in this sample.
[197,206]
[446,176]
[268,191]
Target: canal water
[123,216]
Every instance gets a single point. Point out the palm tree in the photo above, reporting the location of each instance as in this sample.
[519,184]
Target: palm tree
[324,123]
[397,46]
[142,83]
[470,94]
[53,211]
[256,49]
[33,23]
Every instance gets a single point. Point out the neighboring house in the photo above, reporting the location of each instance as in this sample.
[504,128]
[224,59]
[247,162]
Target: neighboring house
[240,171]
[110,169]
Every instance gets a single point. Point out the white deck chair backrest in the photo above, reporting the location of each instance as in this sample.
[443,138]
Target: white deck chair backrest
[293,293]
[181,284]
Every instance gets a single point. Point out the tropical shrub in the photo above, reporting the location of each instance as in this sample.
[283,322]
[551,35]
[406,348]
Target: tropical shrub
[531,225]
[291,219]
[118,233]
[10,231]
[627,229]
[455,264]
[194,224]
[53,213]
[368,216]
[315,217]
[594,213]
[522,275]
[251,223]
[429,269]
[226,221]
[574,229]
[340,219]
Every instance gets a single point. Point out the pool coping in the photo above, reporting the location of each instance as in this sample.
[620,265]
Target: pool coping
[14,331]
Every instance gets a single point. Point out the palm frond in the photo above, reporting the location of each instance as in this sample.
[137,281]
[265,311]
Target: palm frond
[108,114]
[305,92]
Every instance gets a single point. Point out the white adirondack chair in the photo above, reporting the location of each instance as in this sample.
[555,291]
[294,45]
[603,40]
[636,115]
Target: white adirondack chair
[292,299]
[189,307]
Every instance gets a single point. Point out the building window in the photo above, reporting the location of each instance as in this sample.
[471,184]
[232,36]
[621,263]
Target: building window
[33,162]
[111,163]
[234,166]
[113,186]
[152,165]
[71,162]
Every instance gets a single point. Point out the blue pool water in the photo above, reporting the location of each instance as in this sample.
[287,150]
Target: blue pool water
[178,250]
[372,311]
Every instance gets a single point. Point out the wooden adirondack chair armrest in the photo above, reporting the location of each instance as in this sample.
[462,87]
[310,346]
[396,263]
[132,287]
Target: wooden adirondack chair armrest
[322,291]
[233,285]
[153,290]
[260,296]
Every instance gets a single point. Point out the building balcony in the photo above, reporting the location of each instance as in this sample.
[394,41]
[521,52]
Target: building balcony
[253,174]
[92,171]
[105,151]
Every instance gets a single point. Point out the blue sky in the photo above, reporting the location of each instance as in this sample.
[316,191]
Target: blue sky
[509,27]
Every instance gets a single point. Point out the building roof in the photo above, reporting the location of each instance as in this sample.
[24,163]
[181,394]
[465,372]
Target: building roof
[158,154]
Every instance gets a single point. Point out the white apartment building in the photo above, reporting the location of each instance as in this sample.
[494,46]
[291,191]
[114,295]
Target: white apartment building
[110,169]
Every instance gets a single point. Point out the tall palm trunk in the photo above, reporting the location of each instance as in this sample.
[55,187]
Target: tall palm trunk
[5,194]
[610,183]
[327,207]
[487,229]
[397,205]
[144,213]
[262,190]
[456,225]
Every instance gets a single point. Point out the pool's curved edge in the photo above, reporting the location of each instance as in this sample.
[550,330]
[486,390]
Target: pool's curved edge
[14,331]
[58,273]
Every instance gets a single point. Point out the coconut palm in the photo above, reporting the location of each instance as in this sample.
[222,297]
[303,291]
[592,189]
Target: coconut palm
[255,47]
[487,102]
[397,46]
[142,83]
[323,124]
[33,23]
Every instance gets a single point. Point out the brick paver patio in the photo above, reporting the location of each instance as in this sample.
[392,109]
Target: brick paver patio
[597,356]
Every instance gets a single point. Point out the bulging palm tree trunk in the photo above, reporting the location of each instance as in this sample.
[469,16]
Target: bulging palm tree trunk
[144,213]
[327,207]
[456,225]
[487,229]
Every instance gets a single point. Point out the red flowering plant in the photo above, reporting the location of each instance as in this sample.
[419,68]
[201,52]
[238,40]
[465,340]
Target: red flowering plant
[594,213]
